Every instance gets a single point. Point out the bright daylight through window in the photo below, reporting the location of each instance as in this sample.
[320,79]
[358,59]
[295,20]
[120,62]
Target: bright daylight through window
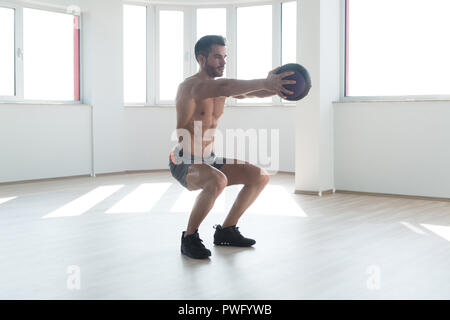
[398,48]
[50,51]
[7,52]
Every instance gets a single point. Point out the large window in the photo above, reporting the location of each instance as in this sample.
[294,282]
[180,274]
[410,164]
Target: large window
[48,42]
[159,45]
[254,49]
[39,55]
[135,53]
[288,32]
[6,52]
[171,53]
[397,48]
[212,21]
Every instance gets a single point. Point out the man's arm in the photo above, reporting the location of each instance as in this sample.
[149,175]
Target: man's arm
[232,87]
[226,87]
[185,106]
[256,94]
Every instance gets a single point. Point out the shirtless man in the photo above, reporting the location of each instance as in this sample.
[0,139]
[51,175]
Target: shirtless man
[199,103]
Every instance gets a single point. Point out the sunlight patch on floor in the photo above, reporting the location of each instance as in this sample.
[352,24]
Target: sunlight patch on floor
[142,199]
[186,201]
[276,200]
[411,227]
[3,200]
[82,204]
[442,231]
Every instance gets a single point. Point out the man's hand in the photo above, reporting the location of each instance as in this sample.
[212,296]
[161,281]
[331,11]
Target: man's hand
[274,82]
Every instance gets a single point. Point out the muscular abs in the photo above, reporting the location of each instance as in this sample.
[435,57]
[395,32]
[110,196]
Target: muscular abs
[201,124]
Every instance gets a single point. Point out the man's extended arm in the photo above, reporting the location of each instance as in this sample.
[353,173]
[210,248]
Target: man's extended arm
[233,87]
[227,87]
[256,94]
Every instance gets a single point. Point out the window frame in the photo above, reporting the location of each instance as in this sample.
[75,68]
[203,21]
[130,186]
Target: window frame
[186,67]
[150,55]
[18,47]
[18,63]
[345,61]
[190,36]
[276,44]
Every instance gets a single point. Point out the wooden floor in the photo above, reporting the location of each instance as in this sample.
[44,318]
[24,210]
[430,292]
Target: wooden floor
[118,237]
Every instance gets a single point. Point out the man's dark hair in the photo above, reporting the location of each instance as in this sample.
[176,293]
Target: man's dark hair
[204,44]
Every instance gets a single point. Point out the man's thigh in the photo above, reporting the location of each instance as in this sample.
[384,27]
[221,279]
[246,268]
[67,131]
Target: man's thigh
[199,175]
[241,172]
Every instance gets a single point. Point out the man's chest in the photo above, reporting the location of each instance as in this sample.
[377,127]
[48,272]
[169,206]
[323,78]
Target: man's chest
[210,108]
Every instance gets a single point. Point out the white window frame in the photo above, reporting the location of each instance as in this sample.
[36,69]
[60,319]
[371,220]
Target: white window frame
[186,30]
[276,40]
[150,53]
[190,37]
[18,49]
[343,77]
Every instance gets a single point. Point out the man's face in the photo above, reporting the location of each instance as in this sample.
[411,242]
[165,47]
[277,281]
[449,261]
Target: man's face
[215,64]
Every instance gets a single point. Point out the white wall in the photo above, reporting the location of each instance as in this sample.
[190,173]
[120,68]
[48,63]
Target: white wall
[393,147]
[270,118]
[149,130]
[329,85]
[39,141]
[319,52]
[101,32]
[307,157]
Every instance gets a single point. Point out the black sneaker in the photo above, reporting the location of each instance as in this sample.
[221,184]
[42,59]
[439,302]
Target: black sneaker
[230,236]
[193,247]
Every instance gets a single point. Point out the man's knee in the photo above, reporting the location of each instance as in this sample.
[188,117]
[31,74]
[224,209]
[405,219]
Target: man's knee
[257,176]
[263,178]
[254,176]
[216,184]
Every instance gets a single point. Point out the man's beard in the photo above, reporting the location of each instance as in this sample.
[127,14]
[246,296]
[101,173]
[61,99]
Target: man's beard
[213,72]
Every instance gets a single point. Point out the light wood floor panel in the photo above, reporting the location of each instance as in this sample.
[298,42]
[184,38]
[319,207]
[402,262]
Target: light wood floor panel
[335,251]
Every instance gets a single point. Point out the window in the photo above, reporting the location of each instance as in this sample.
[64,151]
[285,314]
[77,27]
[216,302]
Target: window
[211,21]
[171,53]
[50,48]
[397,48]
[254,49]
[135,53]
[7,52]
[288,35]
[288,32]
[159,45]
[39,55]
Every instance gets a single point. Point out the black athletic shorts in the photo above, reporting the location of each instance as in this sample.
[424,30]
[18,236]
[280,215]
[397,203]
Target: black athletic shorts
[179,163]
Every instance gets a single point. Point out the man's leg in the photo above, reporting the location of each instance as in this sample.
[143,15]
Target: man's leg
[254,180]
[212,182]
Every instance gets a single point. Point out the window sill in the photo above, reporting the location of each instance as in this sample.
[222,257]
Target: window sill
[42,103]
[290,105]
[392,99]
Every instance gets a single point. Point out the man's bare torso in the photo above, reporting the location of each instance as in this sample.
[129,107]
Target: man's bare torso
[199,117]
